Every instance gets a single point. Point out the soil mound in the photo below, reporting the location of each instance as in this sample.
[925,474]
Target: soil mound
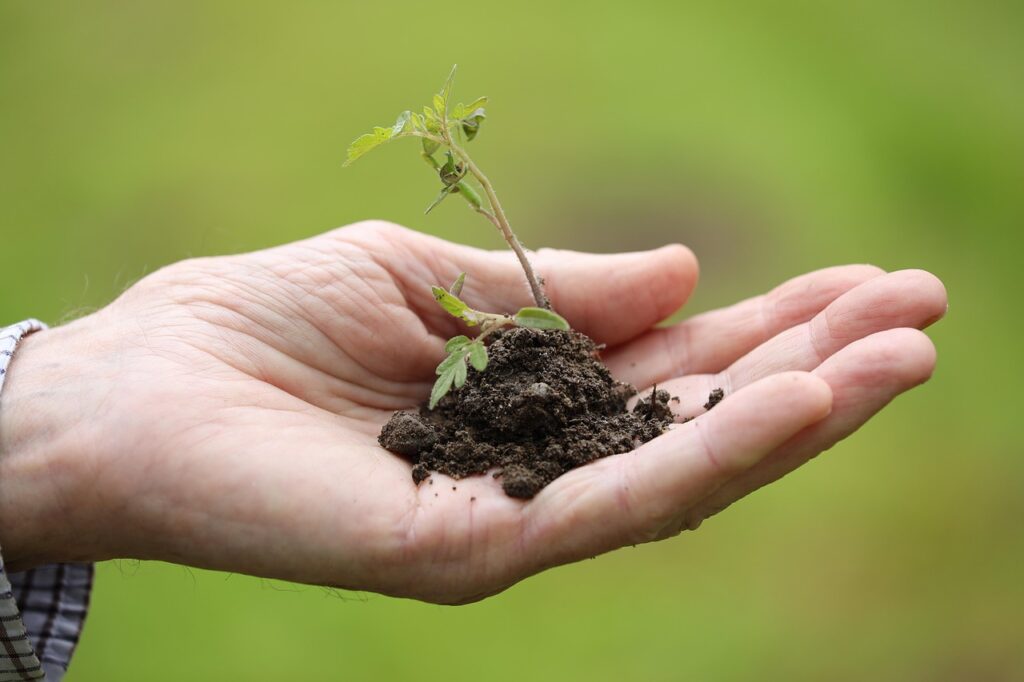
[545,405]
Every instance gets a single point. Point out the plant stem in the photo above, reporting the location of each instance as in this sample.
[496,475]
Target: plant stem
[498,218]
[500,221]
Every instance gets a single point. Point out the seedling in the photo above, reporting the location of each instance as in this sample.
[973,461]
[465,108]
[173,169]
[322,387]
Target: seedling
[443,128]
[546,403]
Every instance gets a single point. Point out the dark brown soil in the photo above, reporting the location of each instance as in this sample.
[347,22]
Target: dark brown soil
[545,405]
[714,398]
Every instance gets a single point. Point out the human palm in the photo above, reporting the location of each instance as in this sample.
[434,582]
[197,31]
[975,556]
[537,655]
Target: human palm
[233,404]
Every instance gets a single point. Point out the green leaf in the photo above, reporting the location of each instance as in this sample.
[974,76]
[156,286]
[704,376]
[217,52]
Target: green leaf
[365,143]
[461,110]
[453,359]
[475,104]
[455,306]
[540,318]
[450,172]
[453,369]
[429,146]
[471,123]
[456,288]
[440,197]
[470,194]
[478,355]
[403,120]
[441,99]
[441,388]
[460,372]
[455,343]
[430,119]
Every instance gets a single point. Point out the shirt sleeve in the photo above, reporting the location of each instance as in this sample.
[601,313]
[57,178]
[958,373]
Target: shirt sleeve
[42,610]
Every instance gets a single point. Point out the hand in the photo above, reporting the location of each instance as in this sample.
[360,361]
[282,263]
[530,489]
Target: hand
[223,412]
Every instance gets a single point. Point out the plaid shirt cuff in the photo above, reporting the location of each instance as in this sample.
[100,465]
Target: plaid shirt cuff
[42,610]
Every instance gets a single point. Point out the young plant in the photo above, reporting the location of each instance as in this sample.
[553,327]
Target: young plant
[443,127]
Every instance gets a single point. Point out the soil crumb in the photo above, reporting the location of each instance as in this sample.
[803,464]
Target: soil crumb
[714,398]
[545,405]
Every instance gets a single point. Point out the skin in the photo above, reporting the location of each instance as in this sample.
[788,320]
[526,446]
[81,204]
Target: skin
[223,412]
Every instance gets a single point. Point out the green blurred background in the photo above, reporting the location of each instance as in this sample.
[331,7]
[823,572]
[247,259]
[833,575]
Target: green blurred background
[773,138]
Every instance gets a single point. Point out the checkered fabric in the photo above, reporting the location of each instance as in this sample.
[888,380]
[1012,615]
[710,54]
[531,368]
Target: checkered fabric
[42,610]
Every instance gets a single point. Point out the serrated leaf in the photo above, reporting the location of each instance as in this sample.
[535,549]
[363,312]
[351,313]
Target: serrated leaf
[540,318]
[478,355]
[460,372]
[454,306]
[441,388]
[365,143]
[362,145]
[455,343]
[453,359]
[439,106]
[456,288]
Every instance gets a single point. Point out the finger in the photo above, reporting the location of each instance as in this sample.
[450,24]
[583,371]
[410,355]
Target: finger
[908,298]
[864,377]
[611,298]
[709,342]
[642,495]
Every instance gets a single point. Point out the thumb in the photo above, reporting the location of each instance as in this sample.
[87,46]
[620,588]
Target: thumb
[609,297]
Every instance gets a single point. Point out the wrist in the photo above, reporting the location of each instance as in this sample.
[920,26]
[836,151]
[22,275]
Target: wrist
[44,449]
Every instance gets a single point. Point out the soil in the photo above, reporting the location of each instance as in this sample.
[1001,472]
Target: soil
[545,405]
[714,398]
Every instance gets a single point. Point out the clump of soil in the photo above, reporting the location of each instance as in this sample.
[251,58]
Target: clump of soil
[714,398]
[545,405]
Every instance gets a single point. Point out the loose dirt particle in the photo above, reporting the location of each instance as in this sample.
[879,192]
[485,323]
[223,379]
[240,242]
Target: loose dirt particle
[714,398]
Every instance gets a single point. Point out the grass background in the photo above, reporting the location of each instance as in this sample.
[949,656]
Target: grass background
[773,138]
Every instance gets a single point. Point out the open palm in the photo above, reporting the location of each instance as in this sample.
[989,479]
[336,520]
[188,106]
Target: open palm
[234,404]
